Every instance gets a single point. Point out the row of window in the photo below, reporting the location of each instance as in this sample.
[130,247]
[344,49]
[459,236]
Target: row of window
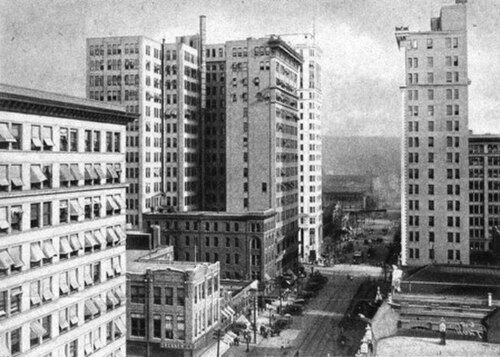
[70,175]
[449,61]
[162,328]
[449,42]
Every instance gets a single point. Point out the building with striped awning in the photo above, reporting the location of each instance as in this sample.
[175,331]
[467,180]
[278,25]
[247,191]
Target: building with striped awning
[62,287]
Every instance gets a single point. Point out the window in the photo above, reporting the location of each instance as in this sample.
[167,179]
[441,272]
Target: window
[35,215]
[429,43]
[157,295]
[137,294]
[36,136]
[180,297]
[73,140]
[169,299]
[138,325]
[15,341]
[181,334]
[157,326]
[169,327]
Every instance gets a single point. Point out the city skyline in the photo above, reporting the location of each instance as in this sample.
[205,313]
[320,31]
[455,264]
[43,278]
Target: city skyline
[356,91]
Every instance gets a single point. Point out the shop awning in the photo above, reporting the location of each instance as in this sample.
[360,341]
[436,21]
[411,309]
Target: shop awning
[37,175]
[37,330]
[5,134]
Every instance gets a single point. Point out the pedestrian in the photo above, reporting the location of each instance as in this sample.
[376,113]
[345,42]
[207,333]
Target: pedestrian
[442,331]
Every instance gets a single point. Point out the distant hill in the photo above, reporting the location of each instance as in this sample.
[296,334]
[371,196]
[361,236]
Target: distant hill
[379,156]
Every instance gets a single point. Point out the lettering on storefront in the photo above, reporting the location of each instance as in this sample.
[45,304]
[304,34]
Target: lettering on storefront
[468,329]
[178,345]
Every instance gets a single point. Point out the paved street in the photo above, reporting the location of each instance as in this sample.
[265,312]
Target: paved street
[315,333]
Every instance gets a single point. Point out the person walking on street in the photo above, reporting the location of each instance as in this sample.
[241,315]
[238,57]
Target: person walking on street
[442,331]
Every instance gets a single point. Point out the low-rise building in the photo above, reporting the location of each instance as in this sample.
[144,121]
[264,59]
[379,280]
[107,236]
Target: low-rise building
[173,307]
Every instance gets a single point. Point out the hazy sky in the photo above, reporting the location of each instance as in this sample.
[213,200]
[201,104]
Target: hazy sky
[42,46]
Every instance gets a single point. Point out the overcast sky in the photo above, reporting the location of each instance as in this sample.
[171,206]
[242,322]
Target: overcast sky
[42,46]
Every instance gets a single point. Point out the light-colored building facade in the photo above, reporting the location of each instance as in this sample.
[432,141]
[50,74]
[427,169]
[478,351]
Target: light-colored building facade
[262,77]
[173,307]
[484,190]
[310,235]
[127,71]
[435,202]
[62,222]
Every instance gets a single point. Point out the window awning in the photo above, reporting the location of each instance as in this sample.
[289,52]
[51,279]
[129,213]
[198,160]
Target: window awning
[75,208]
[120,325]
[37,175]
[119,200]
[88,348]
[4,224]
[90,240]
[36,253]
[66,174]
[63,321]
[73,318]
[90,308]
[63,286]
[73,281]
[16,180]
[117,266]
[6,261]
[48,141]
[100,303]
[5,134]
[75,243]
[99,171]
[48,249]
[90,173]
[47,293]
[111,299]
[120,295]
[36,142]
[109,271]
[87,278]
[111,204]
[111,172]
[120,233]
[4,181]
[64,247]
[87,201]
[18,263]
[37,329]
[97,342]
[111,236]
[99,238]
[34,295]
[4,351]
[75,171]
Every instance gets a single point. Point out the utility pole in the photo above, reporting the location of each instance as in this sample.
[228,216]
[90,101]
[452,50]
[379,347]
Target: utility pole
[217,336]
[255,317]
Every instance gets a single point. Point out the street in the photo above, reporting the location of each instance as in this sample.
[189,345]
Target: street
[316,331]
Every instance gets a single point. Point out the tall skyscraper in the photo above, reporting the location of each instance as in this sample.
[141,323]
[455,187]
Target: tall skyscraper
[310,183]
[127,71]
[435,220]
[62,223]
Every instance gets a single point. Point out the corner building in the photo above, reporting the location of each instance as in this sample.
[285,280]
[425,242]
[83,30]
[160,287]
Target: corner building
[310,235]
[435,220]
[62,221]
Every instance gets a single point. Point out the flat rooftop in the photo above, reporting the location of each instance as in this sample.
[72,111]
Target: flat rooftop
[457,274]
[138,262]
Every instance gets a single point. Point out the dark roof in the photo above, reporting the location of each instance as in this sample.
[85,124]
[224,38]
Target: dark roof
[457,274]
[37,102]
